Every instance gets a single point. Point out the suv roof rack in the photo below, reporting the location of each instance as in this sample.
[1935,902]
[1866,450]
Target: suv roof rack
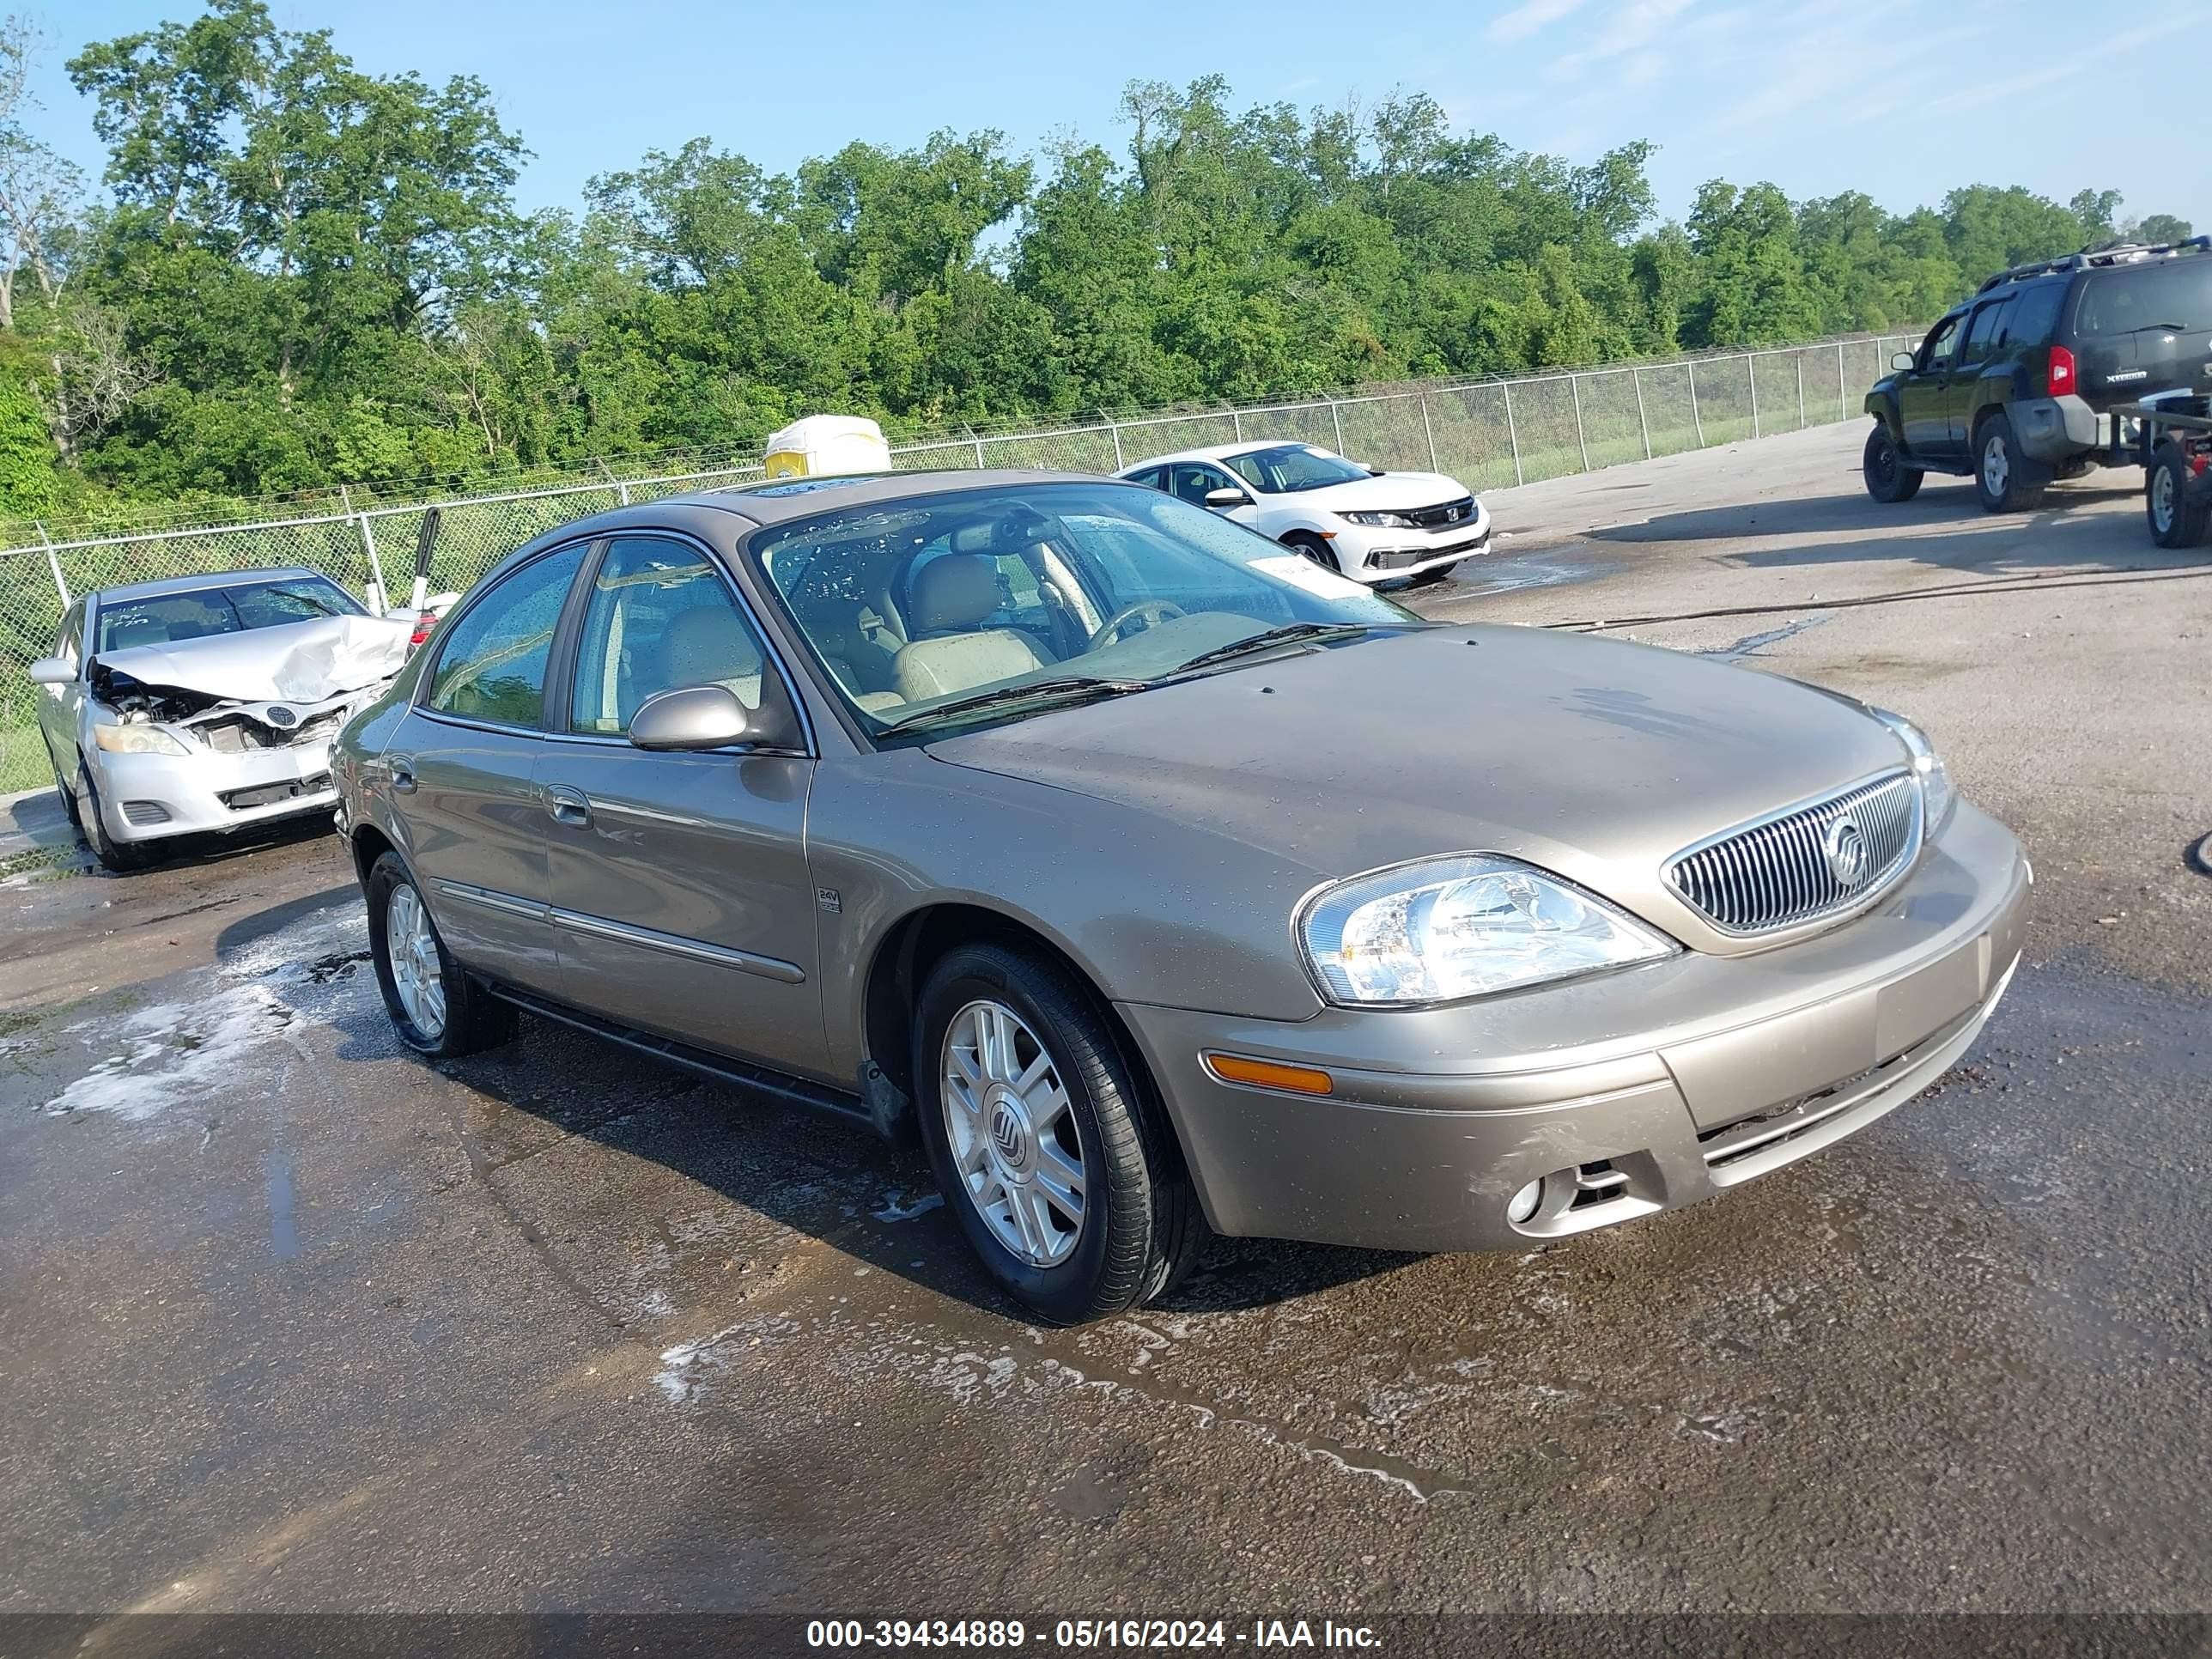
[2114,253]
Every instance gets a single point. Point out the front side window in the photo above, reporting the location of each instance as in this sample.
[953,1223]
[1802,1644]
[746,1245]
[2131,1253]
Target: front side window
[492,666]
[231,608]
[1936,352]
[1286,469]
[659,617]
[917,608]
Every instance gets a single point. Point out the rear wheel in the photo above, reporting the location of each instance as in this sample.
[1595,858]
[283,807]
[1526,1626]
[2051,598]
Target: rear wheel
[1045,1140]
[1888,477]
[1313,547]
[2178,515]
[120,857]
[436,1008]
[2005,480]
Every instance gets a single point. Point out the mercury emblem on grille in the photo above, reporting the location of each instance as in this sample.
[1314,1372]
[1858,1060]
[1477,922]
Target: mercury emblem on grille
[1845,846]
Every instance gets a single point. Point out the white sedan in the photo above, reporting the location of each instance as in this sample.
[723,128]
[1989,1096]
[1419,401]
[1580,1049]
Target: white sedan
[1373,525]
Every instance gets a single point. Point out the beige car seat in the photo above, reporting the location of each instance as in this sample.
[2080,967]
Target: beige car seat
[949,653]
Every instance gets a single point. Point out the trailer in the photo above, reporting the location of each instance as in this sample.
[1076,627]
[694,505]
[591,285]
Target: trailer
[2175,449]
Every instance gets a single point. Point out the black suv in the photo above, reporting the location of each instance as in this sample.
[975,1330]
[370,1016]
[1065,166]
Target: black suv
[2034,377]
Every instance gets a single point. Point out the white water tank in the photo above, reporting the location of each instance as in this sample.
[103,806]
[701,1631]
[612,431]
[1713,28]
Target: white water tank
[827,445]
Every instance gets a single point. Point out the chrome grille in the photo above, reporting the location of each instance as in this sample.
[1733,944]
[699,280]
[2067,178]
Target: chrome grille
[1791,869]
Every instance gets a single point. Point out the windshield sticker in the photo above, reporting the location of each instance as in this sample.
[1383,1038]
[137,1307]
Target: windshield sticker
[1302,571]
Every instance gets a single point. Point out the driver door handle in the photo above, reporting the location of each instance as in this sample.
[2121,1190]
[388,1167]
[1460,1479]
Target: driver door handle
[569,807]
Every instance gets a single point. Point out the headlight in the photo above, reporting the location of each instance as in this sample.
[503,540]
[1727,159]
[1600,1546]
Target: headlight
[1462,927]
[1379,520]
[137,739]
[1937,796]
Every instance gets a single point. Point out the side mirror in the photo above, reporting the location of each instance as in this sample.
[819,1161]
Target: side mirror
[1902,360]
[1220,499]
[691,717]
[52,670]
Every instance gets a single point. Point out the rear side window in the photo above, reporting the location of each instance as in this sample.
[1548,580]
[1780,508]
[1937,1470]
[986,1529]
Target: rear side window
[2034,317]
[492,666]
[1985,332]
[2175,294]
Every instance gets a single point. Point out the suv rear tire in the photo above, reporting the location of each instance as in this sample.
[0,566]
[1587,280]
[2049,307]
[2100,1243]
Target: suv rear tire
[1888,477]
[2005,480]
[1087,1106]
[2176,521]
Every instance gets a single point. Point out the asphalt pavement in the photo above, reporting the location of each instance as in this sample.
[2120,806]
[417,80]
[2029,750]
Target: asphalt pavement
[295,1321]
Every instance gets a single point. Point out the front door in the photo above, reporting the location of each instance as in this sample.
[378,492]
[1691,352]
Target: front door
[59,705]
[680,895]
[462,768]
[1923,392]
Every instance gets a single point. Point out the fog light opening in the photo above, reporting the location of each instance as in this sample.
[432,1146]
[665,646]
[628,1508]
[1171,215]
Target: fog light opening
[1523,1204]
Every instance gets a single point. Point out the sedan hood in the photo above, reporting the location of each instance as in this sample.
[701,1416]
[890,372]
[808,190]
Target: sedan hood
[294,662]
[1592,758]
[1394,492]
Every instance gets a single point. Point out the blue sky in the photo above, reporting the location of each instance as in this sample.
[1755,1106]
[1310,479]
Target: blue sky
[1902,99]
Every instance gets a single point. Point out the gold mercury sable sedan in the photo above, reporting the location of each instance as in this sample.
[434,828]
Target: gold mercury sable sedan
[1161,879]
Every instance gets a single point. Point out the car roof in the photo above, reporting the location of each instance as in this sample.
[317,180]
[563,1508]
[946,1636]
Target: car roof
[1220,452]
[781,500]
[124,592]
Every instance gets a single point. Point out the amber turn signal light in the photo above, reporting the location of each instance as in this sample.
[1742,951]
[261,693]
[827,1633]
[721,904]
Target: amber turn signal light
[1270,1074]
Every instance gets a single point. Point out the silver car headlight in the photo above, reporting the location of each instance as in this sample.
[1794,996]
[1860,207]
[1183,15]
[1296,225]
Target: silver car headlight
[1461,927]
[1937,796]
[137,739]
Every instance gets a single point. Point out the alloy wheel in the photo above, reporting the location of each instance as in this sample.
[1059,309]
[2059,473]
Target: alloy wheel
[1011,1129]
[2161,500]
[417,972]
[1996,467]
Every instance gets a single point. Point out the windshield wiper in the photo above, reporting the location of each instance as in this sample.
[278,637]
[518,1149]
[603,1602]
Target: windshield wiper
[1290,634]
[2169,328]
[1077,688]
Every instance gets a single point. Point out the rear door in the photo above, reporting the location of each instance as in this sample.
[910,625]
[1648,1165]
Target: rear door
[463,772]
[1922,390]
[1980,352]
[2139,330]
[679,888]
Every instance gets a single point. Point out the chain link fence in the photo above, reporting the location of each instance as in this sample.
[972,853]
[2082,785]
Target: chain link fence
[1488,434]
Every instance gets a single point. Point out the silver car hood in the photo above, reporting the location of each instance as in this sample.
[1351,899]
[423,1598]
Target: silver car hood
[1393,492]
[302,662]
[1593,758]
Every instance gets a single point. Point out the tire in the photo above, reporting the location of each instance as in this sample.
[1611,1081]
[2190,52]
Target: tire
[471,1020]
[1889,479]
[2005,480]
[2177,514]
[62,788]
[1090,1107]
[117,857]
[1314,548]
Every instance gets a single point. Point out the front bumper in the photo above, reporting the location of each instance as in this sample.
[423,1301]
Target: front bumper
[1635,1092]
[1382,555]
[152,796]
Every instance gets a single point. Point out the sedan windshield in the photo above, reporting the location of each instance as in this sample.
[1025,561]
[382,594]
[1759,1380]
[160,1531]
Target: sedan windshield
[978,606]
[1288,468]
[166,618]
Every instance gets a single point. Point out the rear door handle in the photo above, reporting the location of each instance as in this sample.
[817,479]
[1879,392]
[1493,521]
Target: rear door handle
[402,770]
[569,806]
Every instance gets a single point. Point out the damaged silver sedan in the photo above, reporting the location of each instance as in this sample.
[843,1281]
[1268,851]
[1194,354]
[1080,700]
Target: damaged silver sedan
[205,703]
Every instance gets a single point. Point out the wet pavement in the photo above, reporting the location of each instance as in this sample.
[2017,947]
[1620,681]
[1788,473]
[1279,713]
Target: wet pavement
[296,1322]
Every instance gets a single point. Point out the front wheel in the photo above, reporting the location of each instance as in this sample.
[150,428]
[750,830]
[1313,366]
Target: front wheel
[2176,519]
[1045,1140]
[1888,477]
[2005,480]
[117,857]
[436,1008]
[1313,547]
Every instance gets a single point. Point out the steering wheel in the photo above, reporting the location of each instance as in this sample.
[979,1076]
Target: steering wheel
[1158,610]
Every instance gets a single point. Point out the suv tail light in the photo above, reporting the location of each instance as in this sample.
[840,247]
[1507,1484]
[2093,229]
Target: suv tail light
[423,624]
[2061,377]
